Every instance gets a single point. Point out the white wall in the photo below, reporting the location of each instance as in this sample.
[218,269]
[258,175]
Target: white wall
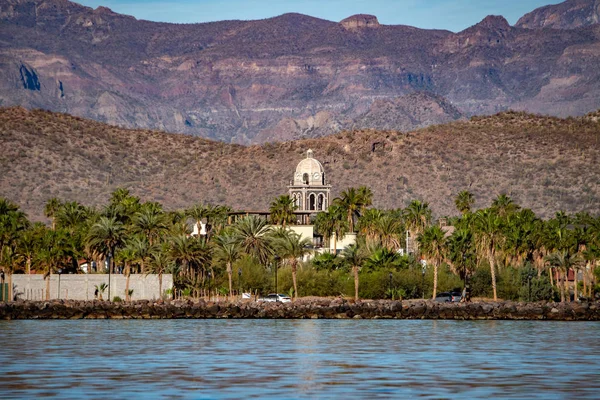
[82,286]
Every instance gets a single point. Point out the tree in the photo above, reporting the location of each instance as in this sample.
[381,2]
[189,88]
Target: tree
[51,210]
[227,250]
[253,236]
[563,261]
[351,201]
[55,252]
[503,205]
[292,247]
[282,210]
[432,244]
[332,223]
[151,223]
[461,251]
[417,217]
[488,237]
[354,256]
[160,263]
[12,224]
[127,255]
[464,201]
[106,236]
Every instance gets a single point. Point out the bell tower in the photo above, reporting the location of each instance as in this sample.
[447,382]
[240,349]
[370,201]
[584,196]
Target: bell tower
[309,189]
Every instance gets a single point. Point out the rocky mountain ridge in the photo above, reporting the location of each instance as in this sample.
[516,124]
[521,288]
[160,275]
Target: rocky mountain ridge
[544,163]
[291,76]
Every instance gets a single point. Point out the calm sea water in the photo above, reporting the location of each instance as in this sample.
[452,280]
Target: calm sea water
[299,359]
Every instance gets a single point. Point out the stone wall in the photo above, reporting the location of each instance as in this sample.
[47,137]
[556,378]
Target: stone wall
[330,309]
[82,286]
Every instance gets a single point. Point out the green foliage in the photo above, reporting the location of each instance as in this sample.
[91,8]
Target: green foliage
[327,262]
[117,299]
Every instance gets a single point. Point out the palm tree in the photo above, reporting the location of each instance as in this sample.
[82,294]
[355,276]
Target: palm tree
[464,201]
[432,244]
[417,217]
[227,250]
[563,261]
[292,247]
[488,238]
[160,264]
[192,253]
[282,210]
[106,236]
[366,198]
[460,251]
[198,213]
[12,223]
[151,223]
[55,253]
[253,235]
[51,210]
[504,205]
[127,255]
[350,201]
[354,256]
[332,223]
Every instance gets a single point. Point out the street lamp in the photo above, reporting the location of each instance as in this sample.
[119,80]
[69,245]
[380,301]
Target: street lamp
[276,259]
[108,258]
[240,281]
[209,281]
[59,273]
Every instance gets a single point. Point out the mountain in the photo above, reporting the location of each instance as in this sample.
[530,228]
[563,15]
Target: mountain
[570,14]
[292,76]
[544,163]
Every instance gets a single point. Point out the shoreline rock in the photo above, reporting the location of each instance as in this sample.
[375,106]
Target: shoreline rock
[301,309]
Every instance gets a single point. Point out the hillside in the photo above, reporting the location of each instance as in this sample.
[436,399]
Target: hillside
[570,14]
[544,163]
[287,77]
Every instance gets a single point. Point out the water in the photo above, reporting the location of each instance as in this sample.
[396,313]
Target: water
[299,359]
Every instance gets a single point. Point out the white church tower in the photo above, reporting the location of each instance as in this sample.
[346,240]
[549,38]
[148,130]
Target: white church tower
[309,189]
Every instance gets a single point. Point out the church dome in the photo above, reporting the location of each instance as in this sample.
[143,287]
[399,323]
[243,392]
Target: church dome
[309,171]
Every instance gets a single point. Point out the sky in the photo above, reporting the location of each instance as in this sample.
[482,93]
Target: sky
[453,15]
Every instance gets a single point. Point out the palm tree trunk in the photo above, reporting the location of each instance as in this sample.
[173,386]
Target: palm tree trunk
[355,270]
[128,273]
[28,264]
[48,285]
[229,275]
[11,297]
[575,292]
[294,279]
[493,272]
[435,278]
[561,287]
[551,277]
[160,296]
[335,244]
[566,282]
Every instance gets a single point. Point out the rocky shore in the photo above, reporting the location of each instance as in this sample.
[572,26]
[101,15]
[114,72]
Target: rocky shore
[301,309]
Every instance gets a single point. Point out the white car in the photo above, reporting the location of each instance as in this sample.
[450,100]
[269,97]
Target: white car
[273,297]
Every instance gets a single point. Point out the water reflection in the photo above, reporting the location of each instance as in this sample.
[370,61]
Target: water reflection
[303,358]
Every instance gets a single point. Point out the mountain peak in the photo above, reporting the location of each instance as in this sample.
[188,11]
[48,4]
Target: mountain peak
[570,14]
[494,22]
[360,21]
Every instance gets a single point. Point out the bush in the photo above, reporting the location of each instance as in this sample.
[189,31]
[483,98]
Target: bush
[117,299]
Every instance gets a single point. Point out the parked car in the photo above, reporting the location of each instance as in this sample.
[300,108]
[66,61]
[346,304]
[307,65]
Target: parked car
[274,297]
[456,297]
[444,297]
